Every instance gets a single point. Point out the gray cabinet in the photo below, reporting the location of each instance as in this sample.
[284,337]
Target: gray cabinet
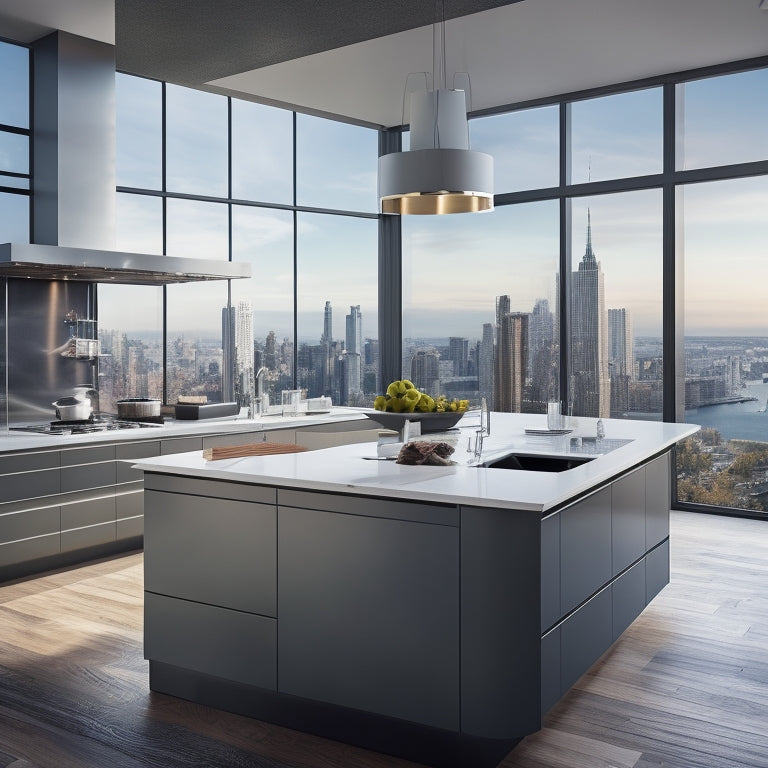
[628,520]
[28,523]
[180,445]
[628,597]
[30,485]
[585,548]
[656,570]
[550,571]
[227,644]
[127,453]
[211,550]
[369,614]
[658,495]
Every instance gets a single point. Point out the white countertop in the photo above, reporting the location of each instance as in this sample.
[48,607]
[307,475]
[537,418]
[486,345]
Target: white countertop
[12,441]
[346,470]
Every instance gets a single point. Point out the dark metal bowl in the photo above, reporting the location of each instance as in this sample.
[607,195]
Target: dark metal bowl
[430,422]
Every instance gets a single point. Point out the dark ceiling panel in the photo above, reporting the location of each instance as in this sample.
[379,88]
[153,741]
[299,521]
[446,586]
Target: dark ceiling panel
[190,42]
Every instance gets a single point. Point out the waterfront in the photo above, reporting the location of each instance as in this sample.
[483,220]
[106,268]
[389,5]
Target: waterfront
[746,421]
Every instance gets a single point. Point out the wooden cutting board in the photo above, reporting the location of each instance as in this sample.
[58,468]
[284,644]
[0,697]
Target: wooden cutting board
[250,449]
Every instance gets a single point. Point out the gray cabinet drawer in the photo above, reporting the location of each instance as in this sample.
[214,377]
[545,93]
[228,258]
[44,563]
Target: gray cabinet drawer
[235,438]
[130,528]
[73,456]
[127,455]
[215,551]
[81,513]
[585,636]
[656,571]
[80,538]
[29,549]
[129,504]
[585,546]
[85,476]
[215,641]
[628,597]
[29,523]
[28,462]
[628,520]
[216,489]
[30,485]
[180,445]
[550,571]
[435,514]
[550,670]
[369,614]
[658,497]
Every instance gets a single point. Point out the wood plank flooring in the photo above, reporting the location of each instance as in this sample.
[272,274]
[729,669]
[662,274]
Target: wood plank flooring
[686,686]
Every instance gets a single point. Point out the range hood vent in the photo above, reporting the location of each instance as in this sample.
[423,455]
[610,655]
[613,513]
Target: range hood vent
[50,262]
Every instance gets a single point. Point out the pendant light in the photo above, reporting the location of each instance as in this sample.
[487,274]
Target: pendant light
[440,173]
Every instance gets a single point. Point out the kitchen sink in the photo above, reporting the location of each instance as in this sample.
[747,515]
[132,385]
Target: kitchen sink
[537,463]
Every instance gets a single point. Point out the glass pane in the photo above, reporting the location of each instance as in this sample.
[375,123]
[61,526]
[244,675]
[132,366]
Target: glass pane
[194,314]
[524,146]
[480,315]
[723,119]
[14,218]
[139,223]
[196,150]
[726,344]
[14,152]
[196,229]
[14,85]
[264,239]
[617,136]
[13,181]
[337,305]
[616,306]
[139,128]
[131,334]
[336,165]
[262,153]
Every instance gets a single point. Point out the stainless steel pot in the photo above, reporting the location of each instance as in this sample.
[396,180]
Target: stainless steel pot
[138,408]
[72,408]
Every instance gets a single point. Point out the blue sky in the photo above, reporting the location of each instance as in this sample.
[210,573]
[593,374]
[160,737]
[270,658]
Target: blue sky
[454,266]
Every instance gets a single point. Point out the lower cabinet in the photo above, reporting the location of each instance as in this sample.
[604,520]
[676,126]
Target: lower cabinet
[369,614]
[233,645]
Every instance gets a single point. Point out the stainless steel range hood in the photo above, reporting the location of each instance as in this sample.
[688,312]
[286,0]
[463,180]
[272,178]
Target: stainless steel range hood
[52,262]
[73,201]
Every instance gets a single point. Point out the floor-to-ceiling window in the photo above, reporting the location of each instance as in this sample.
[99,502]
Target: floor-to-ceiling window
[201,175]
[644,236]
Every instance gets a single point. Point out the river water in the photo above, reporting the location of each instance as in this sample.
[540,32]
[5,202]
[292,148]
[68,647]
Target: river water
[747,421]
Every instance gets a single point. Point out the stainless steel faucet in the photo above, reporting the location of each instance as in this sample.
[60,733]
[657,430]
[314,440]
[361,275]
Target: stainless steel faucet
[476,446]
[258,404]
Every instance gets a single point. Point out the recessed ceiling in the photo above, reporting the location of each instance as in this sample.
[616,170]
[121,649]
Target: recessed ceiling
[351,58]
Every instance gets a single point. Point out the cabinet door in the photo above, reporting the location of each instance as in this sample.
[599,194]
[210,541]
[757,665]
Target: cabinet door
[658,497]
[229,644]
[210,550]
[628,520]
[656,571]
[550,571]
[585,636]
[628,595]
[585,547]
[369,614]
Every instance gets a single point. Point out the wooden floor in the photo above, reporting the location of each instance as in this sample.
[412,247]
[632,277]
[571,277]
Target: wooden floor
[687,684]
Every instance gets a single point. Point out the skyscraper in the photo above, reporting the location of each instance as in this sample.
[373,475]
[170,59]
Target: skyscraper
[542,360]
[425,371]
[511,362]
[244,361]
[327,336]
[353,370]
[485,365]
[620,359]
[228,325]
[589,337]
[458,353]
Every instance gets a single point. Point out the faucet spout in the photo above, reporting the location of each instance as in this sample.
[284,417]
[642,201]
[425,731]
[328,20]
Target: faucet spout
[260,374]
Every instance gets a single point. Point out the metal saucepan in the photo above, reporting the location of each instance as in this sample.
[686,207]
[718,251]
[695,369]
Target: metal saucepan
[72,408]
[138,408]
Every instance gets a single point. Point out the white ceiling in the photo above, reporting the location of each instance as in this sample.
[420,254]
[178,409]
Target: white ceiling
[515,53]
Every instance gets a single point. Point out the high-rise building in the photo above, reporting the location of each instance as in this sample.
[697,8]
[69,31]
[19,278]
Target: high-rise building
[621,361]
[327,336]
[354,348]
[542,361]
[458,354]
[425,371]
[485,365]
[511,362]
[228,325]
[244,360]
[589,337]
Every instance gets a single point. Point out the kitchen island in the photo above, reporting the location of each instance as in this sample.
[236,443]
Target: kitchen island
[434,612]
